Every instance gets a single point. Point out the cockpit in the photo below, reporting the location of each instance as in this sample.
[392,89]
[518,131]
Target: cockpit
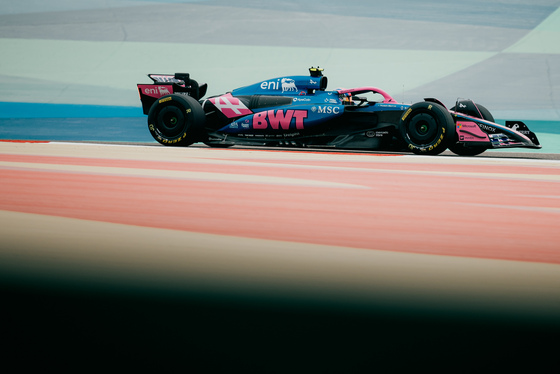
[363,97]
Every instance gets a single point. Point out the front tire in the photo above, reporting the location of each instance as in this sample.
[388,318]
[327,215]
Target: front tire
[427,128]
[176,120]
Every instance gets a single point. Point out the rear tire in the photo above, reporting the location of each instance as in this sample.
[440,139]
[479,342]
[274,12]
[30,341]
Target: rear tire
[176,120]
[461,149]
[427,128]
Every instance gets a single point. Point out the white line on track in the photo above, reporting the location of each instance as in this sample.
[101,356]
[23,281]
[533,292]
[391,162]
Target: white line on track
[176,174]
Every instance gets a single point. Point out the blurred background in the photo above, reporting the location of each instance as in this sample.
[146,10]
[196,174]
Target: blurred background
[69,69]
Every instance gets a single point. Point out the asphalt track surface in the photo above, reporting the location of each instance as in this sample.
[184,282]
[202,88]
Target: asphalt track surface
[310,246]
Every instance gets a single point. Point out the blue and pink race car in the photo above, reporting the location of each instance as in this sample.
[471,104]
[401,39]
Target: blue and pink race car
[299,111]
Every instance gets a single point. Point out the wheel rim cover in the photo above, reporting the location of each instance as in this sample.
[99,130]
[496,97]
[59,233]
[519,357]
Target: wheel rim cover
[170,121]
[422,129]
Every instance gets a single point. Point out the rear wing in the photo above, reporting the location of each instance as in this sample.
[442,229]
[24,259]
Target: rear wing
[167,84]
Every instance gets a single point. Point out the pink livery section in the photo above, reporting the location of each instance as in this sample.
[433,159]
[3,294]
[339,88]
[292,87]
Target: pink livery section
[279,119]
[155,91]
[230,106]
[470,132]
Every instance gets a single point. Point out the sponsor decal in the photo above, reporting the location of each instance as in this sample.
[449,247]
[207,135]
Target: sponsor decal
[431,147]
[165,99]
[406,114]
[270,85]
[292,135]
[157,91]
[230,106]
[377,134]
[437,143]
[280,119]
[165,78]
[326,109]
[286,84]
[517,127]
[296,99]
[165,140]
[329,109]
[487,128]
[163,90]
[469,131]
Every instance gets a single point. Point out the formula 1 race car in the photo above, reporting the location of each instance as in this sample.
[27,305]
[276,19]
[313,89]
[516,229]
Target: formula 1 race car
[299,111]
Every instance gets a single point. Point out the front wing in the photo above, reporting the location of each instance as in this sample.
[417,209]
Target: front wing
[477,132]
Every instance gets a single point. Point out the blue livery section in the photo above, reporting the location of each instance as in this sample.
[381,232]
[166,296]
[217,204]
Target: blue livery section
[297,118]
